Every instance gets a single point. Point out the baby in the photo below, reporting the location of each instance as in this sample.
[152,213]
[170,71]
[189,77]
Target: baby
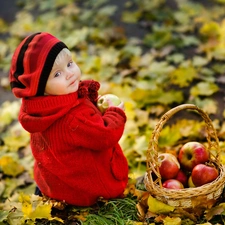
[75,146]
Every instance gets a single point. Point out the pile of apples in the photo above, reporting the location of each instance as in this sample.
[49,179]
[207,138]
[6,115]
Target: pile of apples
[191,168]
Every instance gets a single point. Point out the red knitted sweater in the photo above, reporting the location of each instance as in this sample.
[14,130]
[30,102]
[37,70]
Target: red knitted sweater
[77,155]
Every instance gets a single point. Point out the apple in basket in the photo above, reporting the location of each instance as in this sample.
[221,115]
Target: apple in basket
[190,182]
[182,177]
[191,154]
[203,174]
[107,100]
[168,165]
[173,184]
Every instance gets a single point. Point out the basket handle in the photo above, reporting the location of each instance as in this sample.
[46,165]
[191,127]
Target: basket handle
[152,151]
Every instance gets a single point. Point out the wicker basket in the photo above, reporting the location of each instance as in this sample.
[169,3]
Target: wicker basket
[187,197]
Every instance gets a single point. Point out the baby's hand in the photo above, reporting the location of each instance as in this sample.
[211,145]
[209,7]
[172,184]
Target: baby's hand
[109,100]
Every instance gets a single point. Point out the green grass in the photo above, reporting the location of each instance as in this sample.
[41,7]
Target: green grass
[115,212]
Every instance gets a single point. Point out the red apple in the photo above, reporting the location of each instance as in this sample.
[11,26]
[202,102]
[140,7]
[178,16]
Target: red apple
[107,100]
[182,177]
[173,184]
[169,166]
[203,174]
[192,154]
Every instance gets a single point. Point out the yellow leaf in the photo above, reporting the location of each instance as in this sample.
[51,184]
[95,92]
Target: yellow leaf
[158,207]
[172,221]
[16,137]
[204,88]
[210,29]
[10,166]
[8,112]
[26,204]
[41,211]
[183,76]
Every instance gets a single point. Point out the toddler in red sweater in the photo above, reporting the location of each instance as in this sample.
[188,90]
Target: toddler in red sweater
[75,146]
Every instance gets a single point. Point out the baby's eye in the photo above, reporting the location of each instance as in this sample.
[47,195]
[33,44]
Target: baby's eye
[70,64]
[57,74]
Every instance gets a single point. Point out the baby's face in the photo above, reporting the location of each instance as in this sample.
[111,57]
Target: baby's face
[64,77]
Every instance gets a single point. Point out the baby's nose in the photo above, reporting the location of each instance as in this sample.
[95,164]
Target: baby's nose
[69,75]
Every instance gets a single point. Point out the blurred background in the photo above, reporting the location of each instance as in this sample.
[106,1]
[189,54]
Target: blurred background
[153,54]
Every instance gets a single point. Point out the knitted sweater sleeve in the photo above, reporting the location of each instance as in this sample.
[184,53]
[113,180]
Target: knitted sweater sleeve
[95,131]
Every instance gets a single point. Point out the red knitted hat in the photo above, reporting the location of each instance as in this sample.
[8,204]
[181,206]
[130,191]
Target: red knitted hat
[32,63]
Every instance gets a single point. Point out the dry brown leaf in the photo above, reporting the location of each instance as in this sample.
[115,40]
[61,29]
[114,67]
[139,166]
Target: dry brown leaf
[184,214]
[217,210]
[141,211]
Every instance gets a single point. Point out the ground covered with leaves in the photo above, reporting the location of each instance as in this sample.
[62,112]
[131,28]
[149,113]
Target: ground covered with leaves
[175,55]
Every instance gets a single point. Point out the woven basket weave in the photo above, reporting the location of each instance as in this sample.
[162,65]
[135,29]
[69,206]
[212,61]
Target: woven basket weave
[187,197]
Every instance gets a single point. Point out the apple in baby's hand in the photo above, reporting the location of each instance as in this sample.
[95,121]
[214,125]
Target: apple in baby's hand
[168,165]
[182,177]
[173,184]
[191,154]
[203,174]
[107,100]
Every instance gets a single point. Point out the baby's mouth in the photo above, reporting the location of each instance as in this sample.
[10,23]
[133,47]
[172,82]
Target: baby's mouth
[73,82]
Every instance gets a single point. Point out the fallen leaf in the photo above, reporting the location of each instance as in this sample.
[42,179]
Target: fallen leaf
[183,76]
[204,89]
[3,216]
[10,166]
[172,221]
[158,207]
[217,210]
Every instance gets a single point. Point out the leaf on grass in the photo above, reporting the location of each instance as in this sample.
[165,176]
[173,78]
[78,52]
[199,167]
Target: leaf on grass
[10,166]
[204,89]
[210,29]
[3,215]
[189,128]
[208,105]
[190,40]
[158,207]
[199,61]
[170,97]
[182,17]
[23,24]
[141,145]
[172,221]
[145,97]
[16,137]
[175,58]
[82,216]
[130,17]
[158,38]
[160,69]
[10,186]
[8,112]
[169,136]
[183,76]
[41,211]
